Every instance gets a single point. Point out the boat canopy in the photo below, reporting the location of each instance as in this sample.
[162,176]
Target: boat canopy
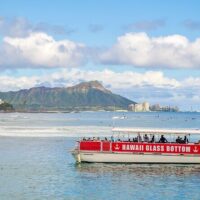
[157,131]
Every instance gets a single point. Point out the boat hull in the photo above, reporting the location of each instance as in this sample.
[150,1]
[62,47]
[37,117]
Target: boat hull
[113,157]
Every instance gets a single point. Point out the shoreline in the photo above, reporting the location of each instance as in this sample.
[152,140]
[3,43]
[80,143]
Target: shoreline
[116,111]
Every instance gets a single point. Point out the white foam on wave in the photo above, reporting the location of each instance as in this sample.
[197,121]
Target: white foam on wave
[64,131]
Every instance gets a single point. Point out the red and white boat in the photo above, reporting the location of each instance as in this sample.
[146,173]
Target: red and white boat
[137,150]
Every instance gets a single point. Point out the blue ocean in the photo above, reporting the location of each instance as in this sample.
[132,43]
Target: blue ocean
[36,163]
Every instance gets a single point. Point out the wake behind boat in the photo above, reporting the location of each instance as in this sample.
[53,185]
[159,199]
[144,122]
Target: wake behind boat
[141,146]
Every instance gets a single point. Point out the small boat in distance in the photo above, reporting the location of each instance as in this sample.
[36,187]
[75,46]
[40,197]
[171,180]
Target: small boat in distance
[141,146]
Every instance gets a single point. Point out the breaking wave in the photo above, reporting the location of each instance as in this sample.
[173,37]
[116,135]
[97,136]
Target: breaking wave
[66,131]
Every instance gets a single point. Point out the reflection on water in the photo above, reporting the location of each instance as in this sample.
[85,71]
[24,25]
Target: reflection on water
[136,181]
[140,170]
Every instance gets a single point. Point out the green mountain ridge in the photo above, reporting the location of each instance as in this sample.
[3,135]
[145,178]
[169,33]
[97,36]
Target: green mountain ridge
[84,96]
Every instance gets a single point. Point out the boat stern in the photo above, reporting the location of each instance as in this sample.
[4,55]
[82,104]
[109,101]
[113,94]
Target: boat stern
[76,154]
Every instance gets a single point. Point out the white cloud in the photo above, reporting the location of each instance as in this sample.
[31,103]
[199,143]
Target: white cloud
[126,79]
[40,50]
[140,50]
[192,82]
[111,79]
[114,80]
[9,83]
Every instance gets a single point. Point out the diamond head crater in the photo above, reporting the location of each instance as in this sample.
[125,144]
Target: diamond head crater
[90,96]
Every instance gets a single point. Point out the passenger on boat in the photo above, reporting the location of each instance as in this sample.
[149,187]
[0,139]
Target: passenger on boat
[153,139]
[182,141]
[186,139]
[163,139]
[135,139]
[139,138]
[112,138]
[146,138]
[178,139]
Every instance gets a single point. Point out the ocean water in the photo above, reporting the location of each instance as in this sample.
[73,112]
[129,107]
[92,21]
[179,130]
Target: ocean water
[35,162]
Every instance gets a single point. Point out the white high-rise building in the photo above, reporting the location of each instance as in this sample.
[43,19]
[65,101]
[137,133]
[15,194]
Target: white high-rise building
[139,107]
[145,106]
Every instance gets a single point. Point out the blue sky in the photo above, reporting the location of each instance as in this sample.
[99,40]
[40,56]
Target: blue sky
[154,41]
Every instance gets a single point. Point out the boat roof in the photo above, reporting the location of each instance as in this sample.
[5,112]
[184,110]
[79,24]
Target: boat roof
[158,131]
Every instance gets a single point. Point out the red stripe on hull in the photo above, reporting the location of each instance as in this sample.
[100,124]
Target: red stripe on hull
[135,147]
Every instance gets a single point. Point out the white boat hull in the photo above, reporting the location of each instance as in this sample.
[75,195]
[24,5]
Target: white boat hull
[107,157]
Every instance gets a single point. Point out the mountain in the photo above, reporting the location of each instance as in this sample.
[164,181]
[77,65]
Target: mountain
[84,96]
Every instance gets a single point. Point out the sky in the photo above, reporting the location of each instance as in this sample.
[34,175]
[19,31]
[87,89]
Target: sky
[145,50]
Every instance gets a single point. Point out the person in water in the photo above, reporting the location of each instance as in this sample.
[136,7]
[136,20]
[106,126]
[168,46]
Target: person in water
[163,139]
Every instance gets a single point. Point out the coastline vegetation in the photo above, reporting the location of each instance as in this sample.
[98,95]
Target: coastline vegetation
[6,107]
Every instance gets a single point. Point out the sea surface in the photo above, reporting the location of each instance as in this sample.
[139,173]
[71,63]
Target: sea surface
[35,159]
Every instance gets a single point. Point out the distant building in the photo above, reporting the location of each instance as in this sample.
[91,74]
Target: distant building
[145,107]
[1,101]
[131,107]
[139,107]
[157,107]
